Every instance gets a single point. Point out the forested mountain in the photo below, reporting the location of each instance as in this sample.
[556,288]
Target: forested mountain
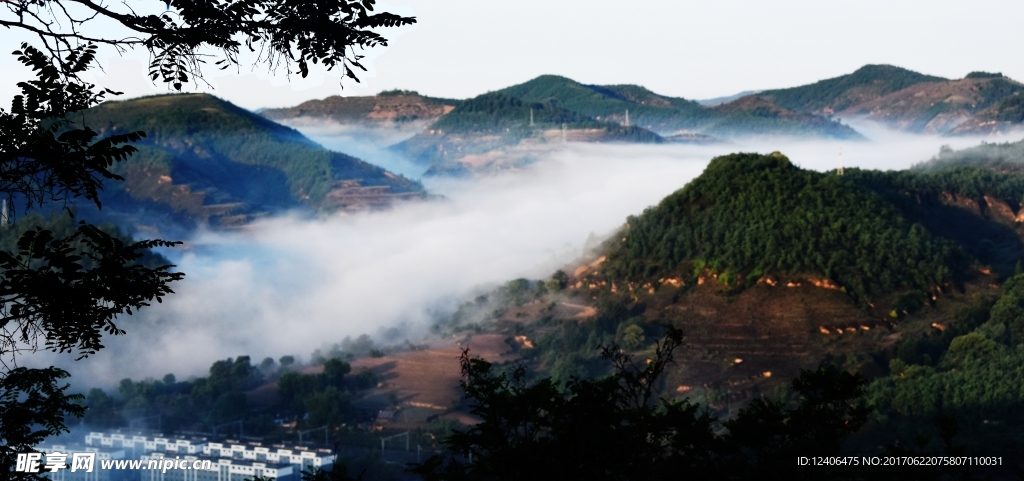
[936,108]
[667,115]
[389,107]
[509,127]
[494,130]
[911,278]
[755,116]
[496,123]
[832,95]
[979,103]
[1005,116]
[648,109]
[205,159]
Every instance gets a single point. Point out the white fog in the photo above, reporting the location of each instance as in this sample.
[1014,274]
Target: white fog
[289,286]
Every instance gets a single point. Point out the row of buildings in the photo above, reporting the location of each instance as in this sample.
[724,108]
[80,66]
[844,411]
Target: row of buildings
[135,457]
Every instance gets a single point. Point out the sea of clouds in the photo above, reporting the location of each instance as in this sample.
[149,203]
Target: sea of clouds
[291,284]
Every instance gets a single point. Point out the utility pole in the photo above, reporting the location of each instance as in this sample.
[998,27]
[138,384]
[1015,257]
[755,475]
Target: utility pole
[627,117]
[563,132]
[531,119]
[301,433]
[406,434]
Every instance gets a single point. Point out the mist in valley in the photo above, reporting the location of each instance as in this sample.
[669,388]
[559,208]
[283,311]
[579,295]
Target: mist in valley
[292,284]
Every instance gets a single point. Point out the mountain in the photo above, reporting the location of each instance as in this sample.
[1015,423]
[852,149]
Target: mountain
[207,160]
[496,130]
[908,277]
[512,127]
[1004,117]
[939,107]
[910,101]
[714,102]
[609,103]
[670,115]
[388,107]
[756,116]
[867,83]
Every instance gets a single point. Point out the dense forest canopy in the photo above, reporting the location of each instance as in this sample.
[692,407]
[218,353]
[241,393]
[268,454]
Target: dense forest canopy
[751,215]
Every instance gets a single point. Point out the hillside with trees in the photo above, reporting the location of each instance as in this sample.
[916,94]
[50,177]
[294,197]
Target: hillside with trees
[496,124]
[388,107]
[840,93]
[981,103]
[888,303]
[909,278]
[202,155]
[1004,117]
[937,108]
[668,115]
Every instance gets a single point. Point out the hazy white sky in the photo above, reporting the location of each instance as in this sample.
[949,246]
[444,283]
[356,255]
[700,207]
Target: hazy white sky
[462,48]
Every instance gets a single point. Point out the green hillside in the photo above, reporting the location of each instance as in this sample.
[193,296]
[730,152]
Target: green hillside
[839,93]
[204,156]
[768,269]
[751,215]
[647,109]
[498,113]
[756,116]
[1005,116]
[666,115]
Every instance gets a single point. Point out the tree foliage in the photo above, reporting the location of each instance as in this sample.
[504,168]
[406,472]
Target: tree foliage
[751,215]
[64,292]
[617,427]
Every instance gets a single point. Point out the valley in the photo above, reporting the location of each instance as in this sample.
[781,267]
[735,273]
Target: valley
[768,264]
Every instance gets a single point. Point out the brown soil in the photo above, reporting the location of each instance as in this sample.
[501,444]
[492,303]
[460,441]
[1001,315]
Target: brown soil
[428,378]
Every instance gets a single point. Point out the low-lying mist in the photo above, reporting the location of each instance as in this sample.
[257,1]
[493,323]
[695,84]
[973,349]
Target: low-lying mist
[290,285]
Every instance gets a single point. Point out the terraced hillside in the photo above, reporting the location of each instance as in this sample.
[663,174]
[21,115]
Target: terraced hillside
[206,160]
[769,269]
[386,108]
[981,103]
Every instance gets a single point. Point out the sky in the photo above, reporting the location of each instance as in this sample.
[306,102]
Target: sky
[690,49]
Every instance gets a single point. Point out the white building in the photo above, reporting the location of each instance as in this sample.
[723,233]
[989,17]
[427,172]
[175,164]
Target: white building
[97,474]
[137,445]
[220,469]
[295,455]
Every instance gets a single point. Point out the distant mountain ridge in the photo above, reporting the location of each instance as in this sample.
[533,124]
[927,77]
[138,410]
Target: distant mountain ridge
[206,160]
[394,106]
[840,93]
[906,100]
[509,127]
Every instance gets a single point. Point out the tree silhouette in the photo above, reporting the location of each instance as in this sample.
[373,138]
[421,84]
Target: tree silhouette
[617,428]
[64,293]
